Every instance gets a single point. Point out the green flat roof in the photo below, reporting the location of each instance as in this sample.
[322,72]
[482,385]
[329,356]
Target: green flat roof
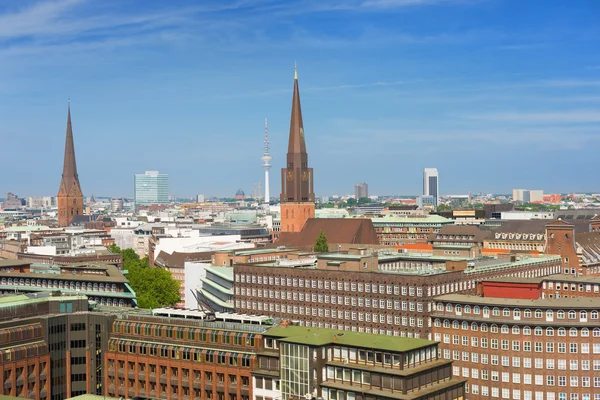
[322,336]
[22,299]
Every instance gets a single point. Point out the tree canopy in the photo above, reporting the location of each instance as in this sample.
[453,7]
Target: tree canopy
[154,287]
[321,246]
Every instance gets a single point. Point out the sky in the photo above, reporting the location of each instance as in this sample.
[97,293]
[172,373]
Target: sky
[496,94]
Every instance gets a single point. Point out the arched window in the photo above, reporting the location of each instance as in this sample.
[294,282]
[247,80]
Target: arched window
[454,324]
[474,326]
[476,310]
[27,282]
[496,311]
[596,332]
[467,309]
[449,307]
[21,281]
[437,323]
[549,331]
[517,313]
[446,323]
[594,314]
[560,314]
[526,330]
[527,313]
[505,312]
[515,330]
[583,314]
[484,328]
[95,286]
[585,332]
[572,314]
[440,307]
[549,314]
[538,313]
[101,287]
[465,326]
[458,308]
[537,331]
[494,328]
[486,311]
[562,332]
[504,329]
[573,332]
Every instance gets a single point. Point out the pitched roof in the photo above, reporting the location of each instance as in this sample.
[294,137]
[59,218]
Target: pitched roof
[590,246]
[462,230]
[539,225]
[337,230]
[177,259]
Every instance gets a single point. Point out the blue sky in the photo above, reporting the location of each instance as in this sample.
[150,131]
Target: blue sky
[495,94]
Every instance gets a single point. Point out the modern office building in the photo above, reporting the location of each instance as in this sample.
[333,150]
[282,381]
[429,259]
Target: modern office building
[361,190]
[151,187]
[431,184]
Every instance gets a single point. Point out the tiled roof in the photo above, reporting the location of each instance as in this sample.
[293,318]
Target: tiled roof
[337,230]
[589,242]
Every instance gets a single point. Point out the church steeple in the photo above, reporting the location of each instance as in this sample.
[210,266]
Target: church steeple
[70,198]
[297,178]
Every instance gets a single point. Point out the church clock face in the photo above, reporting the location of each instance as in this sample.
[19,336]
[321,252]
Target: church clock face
[305,176]
[290,176]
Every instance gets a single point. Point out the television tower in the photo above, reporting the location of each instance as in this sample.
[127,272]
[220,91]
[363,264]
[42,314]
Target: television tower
[266,162]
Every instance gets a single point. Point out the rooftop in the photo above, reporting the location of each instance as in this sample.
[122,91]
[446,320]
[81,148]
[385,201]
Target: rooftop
[428,219]
[321,336]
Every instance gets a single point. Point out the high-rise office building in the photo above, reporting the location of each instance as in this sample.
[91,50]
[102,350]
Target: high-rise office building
[431,184]
[151,187]
[361,190]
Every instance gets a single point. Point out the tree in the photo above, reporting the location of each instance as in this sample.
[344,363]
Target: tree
[364,200]
[154,287]
[351,202]
[321,246]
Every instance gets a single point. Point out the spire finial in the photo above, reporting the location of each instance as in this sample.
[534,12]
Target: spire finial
[295,71]
[69,102]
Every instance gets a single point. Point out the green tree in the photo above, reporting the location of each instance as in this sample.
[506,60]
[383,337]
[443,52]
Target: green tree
[351,202]
[443,207]
[321,246]
[364,200]
[154,287]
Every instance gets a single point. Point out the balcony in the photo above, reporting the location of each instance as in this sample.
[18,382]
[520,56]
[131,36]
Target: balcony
[43,375]
[8,384]
[142,376]
[111,388]
[163,379]
[121,373]
[31,395]
[131,375]
[174,396]
[111,371]
[32,378]
[175,380]
[232,389]
[152,377]
[208,386]
[121,390]
[163,395]
[43,393]
[196,384]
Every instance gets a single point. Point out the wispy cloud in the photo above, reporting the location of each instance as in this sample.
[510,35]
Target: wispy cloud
[522,46]
[569,117]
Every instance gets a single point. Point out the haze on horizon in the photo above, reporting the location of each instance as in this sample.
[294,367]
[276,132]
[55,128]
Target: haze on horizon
[495,94]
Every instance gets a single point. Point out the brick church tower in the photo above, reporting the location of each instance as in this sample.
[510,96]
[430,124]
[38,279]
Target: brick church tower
[297,196]
[70,198]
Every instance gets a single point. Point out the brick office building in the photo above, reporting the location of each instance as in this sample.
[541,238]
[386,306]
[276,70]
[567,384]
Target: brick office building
[388,293]
[521,349]
[52,348]
[175,358]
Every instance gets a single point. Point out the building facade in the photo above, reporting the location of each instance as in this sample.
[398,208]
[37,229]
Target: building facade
[361,190]
[521,349]
[390,295]
[151,187]
[297,193]
[70,197]
[431,184]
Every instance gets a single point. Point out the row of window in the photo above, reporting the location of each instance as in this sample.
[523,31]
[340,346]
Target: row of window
[516,330]
[515,394]
[529,379]
[329,313]
[458,309]
[73,285]
[331,285]
[516,345]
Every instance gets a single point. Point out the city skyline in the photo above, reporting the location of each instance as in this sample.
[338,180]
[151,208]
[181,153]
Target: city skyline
[512,95]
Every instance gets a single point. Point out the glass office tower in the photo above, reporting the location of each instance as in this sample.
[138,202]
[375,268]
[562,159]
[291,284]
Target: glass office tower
[151,187]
